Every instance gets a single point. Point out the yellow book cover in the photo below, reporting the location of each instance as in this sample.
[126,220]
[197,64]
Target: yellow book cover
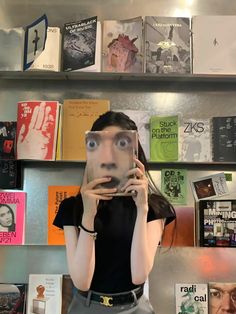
[56,194]
[78,117]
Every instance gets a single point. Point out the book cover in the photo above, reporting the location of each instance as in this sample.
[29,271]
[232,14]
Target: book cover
[50,57]
[224,139]
[12,217]
[217,223]
[191,298]
[122,49]
[10,174]
[111,154]
[222,297]
[167,44]
[44,294]
[213,47]
[195,140]
[180,233]
[11,49]
[142,121]
[164,138]
[37,126]
[209,186]
[56,194]
[7,139]
[35,38]
[78,117]
[67,292]
[13,298]
[80,42]
[174,185]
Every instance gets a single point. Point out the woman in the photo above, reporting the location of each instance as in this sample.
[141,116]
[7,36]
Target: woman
[111,241]
[7,220]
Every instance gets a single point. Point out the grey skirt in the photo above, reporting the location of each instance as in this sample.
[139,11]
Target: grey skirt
[83,305]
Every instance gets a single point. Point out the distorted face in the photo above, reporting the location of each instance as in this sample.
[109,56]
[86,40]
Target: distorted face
[6,219]
[110,154]
[222,298]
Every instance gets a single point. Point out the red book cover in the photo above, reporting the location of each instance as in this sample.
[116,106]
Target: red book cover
[37,126]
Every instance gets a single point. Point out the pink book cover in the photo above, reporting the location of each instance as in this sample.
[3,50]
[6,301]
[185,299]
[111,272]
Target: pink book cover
[12,217]
[37,126]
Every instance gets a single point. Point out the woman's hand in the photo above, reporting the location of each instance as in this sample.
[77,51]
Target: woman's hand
[139,184]
[92,195]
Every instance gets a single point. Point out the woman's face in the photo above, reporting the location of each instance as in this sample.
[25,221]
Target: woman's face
[6,219]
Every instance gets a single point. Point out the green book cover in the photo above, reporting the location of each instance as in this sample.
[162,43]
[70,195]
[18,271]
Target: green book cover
[174,185]
[164,138]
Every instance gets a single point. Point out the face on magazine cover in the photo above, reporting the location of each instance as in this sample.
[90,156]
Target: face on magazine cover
[222,298]
[6,216]
[110,154]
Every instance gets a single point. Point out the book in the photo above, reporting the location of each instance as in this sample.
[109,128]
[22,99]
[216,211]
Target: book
[50,57]
[191,298]
[35,39]
[7,139]
[111,154]
[13,298]
[174,185]
[78,116]
[82,45]
[56,194]
[67,292]
[37,126]
[10,174]
[217,223]
[195,140]
[164,138]
[209,186]
[44,294]
[167,44]
[12,217]
[224,139]
[11,49]
[180,233]
[222,297]
[122,48]
[213,47]
[142,121]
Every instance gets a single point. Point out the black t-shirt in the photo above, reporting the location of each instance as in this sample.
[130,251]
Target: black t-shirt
[114,223]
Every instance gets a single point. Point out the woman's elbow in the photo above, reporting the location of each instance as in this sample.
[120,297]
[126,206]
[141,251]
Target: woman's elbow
[82,285]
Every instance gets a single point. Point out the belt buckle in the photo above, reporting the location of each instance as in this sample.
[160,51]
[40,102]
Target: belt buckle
[105,300]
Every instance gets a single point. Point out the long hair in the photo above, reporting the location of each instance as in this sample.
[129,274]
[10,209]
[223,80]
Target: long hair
[155,199]
[12,226]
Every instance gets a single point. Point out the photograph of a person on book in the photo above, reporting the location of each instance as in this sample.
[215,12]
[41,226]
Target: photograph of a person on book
[111,154]
[222,298]
[7,218]
[111,241]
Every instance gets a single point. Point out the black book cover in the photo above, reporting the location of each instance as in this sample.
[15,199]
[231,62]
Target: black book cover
[7,139]
[217,223]
[13,298]
[79,44]
[10,174]
[224,139]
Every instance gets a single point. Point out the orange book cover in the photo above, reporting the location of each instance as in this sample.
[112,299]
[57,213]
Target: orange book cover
[56,194]
[78,117]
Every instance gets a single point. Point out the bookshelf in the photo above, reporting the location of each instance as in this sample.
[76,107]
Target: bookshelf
[188,95]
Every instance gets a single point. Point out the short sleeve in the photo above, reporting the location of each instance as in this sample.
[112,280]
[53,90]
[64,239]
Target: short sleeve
[69,212]
[159,208]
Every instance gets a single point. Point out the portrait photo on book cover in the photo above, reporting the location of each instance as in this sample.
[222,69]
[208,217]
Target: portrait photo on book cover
[111,154]
[7,217]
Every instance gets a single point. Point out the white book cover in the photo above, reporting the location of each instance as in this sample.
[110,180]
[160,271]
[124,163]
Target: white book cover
[122,45]
[50,57]
[195,140]
[213,44]
[44,294]
[191,298]
[142,120]
[167,44]
[11,49]
[211,186]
